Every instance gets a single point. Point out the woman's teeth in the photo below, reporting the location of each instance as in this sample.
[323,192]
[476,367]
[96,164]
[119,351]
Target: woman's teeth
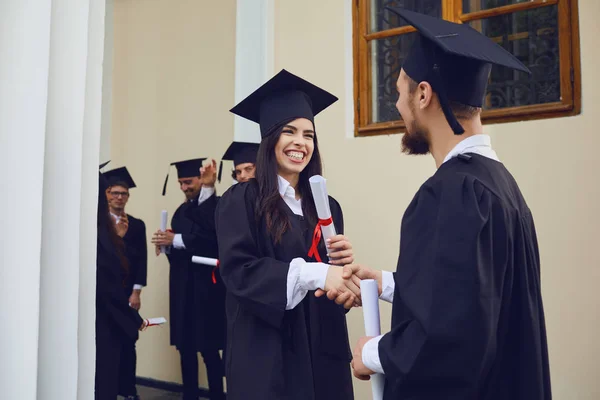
[296,155]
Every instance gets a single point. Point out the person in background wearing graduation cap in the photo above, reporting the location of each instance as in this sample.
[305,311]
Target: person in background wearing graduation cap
[133,232]
[116,321]
[243,155]
[197,304]
[467,317]
[283,342]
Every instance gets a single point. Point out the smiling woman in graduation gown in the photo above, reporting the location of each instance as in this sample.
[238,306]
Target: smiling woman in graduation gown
[116,321]
[277,349]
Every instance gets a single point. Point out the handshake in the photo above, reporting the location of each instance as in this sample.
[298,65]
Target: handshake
[342,284]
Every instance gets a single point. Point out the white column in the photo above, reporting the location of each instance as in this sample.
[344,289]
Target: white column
[73,114]
[50,112]
[107,81]
[24,46]
[96,140]
[253,57]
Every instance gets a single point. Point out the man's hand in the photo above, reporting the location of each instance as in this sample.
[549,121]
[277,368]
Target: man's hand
[208,174]
[134,299]
[161,238]
[122,226]
[346,292]
[360,370]
[339,250]
[144,325]
[357,272]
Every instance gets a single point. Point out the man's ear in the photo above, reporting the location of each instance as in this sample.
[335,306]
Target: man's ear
[425,92]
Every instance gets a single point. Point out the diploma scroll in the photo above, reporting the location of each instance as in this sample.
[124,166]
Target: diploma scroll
[213,262]
[163,227]
[156,321]
[370,303]
[318,187]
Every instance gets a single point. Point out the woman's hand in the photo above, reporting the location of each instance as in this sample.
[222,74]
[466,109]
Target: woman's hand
[339,250]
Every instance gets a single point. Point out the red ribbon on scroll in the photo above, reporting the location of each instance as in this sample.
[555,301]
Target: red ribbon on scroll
[214,278]
[314,252]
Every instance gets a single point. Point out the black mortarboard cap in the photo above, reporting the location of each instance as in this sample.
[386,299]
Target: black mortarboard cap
[119,176]
[455,59]
[185,169]
[284,97]
[240,153]
[103,164]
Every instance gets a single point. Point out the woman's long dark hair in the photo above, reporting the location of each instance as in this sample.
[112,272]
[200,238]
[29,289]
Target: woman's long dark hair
[269,205]
[106,225]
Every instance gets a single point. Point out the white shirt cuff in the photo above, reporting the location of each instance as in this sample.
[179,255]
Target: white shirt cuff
[387,286]
[302,277]
[178,242]
[370,355]
[205,193]
[137,287]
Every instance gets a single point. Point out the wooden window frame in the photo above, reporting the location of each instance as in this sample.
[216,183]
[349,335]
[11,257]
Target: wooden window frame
[569,59]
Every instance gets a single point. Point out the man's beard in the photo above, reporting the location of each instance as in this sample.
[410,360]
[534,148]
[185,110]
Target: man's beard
[417,141]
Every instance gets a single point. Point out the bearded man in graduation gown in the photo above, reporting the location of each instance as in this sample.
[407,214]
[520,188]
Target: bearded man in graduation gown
[467,317]
[197,303]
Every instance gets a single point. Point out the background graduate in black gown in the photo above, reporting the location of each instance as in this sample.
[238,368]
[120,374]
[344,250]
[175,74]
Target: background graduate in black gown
[243,155]
[467,318]
[197,304]
[133,232]
[116,321]
[283,341]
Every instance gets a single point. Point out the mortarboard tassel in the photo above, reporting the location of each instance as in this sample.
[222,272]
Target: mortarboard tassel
[220,171]
[441,91]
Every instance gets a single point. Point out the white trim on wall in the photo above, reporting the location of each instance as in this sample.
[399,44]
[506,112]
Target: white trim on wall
[254,57]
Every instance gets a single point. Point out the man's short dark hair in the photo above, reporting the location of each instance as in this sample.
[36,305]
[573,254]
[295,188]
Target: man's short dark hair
[461,111]
[119,183]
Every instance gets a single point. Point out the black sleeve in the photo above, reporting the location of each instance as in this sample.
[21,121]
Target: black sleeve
[449,284]
[142,249]
[110,295]
[258,282]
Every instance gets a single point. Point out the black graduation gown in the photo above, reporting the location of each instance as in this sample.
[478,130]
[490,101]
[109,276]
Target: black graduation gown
[137,253]
[467,317]
[116,322]
[274,353]
[192,293]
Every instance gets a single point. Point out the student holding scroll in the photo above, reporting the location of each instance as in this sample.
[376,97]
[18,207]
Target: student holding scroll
[196,303]
[467,317]
[116,322]
[283,342]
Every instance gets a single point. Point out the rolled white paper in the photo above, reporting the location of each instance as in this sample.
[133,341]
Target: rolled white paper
[318,187]
[205,261]
[156,321]
[369,293]
[163,227]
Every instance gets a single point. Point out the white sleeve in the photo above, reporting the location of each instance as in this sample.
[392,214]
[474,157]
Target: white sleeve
[205,193]
[387,286]
[137,287]
[370,355]
[178,242]
[302,277]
